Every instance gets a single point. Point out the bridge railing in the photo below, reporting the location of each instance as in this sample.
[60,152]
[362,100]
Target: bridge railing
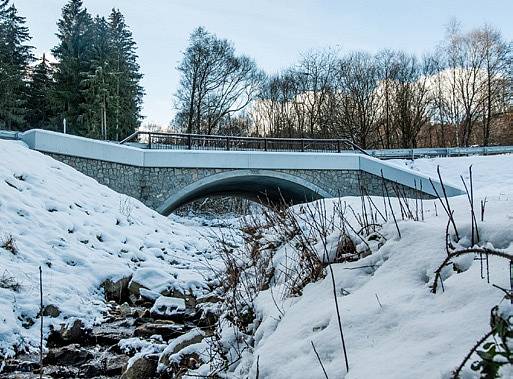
[439,152]
[152,140]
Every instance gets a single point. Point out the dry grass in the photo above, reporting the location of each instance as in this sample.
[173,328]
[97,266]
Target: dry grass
[9,243]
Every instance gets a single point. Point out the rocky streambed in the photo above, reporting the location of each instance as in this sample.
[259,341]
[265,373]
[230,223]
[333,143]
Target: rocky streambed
[142,335]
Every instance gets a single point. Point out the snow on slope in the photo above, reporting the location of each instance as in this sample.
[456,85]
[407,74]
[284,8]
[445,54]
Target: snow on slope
[492,174]
[81,233]
[408,332]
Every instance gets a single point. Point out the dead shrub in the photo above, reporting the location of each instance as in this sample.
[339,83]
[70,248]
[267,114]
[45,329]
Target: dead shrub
[9,282]
[9,243]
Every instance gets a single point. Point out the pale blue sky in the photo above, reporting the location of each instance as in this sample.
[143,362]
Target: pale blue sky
[274,33]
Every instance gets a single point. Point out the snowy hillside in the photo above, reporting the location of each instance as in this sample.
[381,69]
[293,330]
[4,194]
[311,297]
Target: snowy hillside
[394,326]
[81,233]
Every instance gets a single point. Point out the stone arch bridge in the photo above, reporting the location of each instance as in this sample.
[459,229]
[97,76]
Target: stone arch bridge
[165,179]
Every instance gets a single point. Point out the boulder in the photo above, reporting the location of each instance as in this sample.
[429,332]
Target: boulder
[111,333]
[141,367]
[167,330]
[51,311]
[190,338]
[114,364]
[170,308]
[73,332]
[117,291]
[70,355]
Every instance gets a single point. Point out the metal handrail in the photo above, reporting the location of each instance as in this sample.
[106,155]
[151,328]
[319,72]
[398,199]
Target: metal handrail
[159,140]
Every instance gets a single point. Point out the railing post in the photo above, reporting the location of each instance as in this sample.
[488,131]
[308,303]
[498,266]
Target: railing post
[227,143]
[302,145]
[265,144]
[338,146]
[149,140]
[189,142]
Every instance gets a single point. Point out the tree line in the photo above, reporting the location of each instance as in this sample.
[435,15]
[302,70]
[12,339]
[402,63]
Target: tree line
[457,95]
[93,85]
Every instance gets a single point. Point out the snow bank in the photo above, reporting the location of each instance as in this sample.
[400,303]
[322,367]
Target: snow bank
[80,233]
[394,326]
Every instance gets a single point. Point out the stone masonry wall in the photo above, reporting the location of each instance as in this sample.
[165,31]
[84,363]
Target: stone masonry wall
[153,185]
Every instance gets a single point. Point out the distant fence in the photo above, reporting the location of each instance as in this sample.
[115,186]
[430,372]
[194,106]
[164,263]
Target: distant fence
[439,152]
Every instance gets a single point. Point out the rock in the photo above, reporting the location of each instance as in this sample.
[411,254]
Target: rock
[73,332]
[190,338]
[210,298]
[134,288]
[167,330]
[60,372]
[141,367]
[152,279]
[125,310]
[118,290]
[23,363]
[111,333]
[51,311]
[148,295]
[115,364]
[71,355]
[68,334]
[108,364]
[171,308]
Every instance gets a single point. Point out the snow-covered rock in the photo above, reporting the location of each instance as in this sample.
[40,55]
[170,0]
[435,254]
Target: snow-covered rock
[168,307]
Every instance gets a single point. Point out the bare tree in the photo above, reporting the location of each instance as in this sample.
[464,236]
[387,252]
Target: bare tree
[357,82]
[215,83]
[314,76]
[497,62]
[387,64]
[410,98]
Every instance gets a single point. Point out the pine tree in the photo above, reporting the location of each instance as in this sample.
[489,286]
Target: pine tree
[97,84]
[75,33]
[125,71]
[15,57]
[40,87]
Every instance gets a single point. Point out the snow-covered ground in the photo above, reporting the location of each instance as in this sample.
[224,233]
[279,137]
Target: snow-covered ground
[394,326]
[80,233]
[493,175]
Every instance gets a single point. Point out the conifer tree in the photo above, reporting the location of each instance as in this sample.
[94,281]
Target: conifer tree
[40,87]
[75,33]
[15,57]
[97,83]
[127,92]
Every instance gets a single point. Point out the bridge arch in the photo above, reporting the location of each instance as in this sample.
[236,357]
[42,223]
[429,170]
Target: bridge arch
[255,185]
